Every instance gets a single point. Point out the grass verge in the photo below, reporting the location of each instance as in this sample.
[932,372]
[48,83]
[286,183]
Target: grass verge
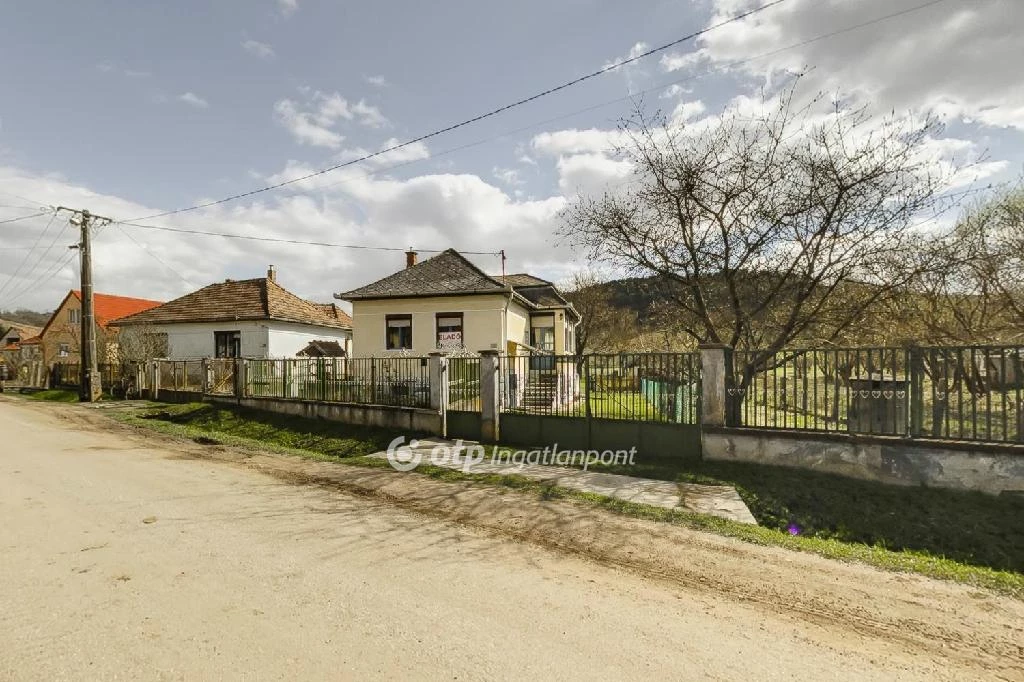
[323,440]
[55,395]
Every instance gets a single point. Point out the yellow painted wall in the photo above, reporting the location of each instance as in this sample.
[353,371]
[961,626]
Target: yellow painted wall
[481,323]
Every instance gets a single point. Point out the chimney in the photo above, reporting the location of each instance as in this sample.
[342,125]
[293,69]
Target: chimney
[410,258]
[272,274]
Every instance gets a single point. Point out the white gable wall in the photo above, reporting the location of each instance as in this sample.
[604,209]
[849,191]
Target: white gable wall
[286,339]
[259,339]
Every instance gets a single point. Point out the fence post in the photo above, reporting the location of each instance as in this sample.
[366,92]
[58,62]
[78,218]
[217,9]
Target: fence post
[490,428]
[156,379]
[437,373]
[204,376]
[714,404]
[915,390]
[373,381]
[239,378]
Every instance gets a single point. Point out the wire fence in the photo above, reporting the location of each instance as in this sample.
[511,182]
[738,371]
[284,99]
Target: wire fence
[956,392]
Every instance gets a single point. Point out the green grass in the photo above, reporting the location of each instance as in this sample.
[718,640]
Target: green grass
[970,538]
[55,395]
[330,439]
[968,527]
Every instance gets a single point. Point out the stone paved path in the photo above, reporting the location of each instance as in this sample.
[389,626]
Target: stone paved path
[715,500]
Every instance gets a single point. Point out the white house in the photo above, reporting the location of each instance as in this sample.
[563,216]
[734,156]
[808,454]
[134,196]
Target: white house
[252,318]
[447,303]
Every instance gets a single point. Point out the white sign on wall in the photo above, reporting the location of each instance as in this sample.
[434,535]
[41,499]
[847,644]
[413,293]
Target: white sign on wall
[447,340]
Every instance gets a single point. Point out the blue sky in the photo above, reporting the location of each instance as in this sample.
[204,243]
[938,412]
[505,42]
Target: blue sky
[130,108]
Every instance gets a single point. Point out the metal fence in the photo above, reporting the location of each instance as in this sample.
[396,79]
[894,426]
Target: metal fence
[464,384]
[662,387]
[181,375]
[400,381]
[958,393]
[68,374]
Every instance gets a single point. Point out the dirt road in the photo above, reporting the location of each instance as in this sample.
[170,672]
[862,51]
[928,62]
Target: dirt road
[122,557]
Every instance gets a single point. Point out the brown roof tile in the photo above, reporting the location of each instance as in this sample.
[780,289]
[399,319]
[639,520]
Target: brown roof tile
[445,274]
[248,299]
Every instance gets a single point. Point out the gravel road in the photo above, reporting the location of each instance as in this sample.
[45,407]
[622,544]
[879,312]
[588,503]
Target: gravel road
[126,557]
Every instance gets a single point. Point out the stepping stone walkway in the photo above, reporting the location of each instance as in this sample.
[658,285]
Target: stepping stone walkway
[714,500]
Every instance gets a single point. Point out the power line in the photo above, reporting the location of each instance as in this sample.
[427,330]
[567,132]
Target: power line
[631,95]
[280,240]
[474,119]
[24,217]
[10,278]
[154,256]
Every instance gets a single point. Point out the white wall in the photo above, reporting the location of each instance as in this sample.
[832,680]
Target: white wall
[287,339]
[259,339]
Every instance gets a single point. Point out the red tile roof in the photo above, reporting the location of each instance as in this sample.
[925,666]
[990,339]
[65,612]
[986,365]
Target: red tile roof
[108,307]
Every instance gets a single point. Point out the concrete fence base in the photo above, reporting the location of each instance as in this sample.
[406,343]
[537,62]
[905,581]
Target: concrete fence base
[961,465]
[403,419]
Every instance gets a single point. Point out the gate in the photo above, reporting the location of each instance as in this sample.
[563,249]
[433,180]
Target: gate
[462,404]
[650,401]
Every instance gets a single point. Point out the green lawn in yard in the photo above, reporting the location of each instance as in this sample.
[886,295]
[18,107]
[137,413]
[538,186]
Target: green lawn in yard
[56,395]
[969,527]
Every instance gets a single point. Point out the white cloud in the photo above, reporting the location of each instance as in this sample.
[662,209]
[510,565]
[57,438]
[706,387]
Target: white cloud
[575,141]
[194,100]
[674,90]
[428,212]
[369,115]
[288,7]
[687,111]
[377,81]
[960,60]
[634,52]
[306,127]
[591,174]
[682,61]
[261,50]
[508,176]
[315,122]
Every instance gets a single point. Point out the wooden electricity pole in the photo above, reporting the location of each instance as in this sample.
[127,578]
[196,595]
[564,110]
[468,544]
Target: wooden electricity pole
[90,384]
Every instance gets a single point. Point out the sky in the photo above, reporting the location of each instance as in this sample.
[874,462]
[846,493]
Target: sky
[135,107]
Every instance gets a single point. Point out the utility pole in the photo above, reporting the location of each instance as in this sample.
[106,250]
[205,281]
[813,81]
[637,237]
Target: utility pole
[90,384]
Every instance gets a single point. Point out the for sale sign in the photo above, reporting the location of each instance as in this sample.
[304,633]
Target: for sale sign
[447,340]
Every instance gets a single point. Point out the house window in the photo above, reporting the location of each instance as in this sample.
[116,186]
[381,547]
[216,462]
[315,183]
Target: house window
[398,335]
[227,344]
[449,331]
[74,316]
[63,350]
[542,332]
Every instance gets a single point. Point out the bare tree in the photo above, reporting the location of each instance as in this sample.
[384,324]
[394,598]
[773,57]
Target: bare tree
[604,327]
[769,229]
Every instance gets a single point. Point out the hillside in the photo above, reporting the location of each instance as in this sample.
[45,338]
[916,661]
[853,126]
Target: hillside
[23,317]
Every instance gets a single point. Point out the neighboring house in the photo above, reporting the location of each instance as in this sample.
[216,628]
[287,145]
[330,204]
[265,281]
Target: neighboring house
[447,303]
[14,332]
[61,337]
[323,349]
[252,318]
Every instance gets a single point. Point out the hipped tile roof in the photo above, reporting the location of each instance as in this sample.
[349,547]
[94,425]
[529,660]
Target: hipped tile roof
[247,299]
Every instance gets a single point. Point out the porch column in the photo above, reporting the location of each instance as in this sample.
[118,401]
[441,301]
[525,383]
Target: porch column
[714,367]
[437,371]
[489,422]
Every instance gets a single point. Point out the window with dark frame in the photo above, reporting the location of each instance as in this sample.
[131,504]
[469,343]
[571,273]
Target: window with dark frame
[74,316]
[449,330]
[398,332]
[227,344]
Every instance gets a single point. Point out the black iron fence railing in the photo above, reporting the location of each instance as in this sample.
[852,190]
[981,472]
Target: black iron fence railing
[661,387]
[955,393]
[398,381]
